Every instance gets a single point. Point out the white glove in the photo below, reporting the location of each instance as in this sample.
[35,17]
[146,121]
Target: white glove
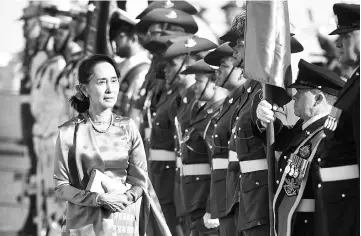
[210,223]
[265,113]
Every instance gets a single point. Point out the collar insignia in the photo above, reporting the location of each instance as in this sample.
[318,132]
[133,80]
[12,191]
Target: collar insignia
[190,43]
[172,15]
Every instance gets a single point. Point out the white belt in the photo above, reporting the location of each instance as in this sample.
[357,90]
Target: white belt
[147,132]
[179,162]
[339,173]
[219,163]
[253,165]
[161,155]
[196,169]
[232,156]
[306,205]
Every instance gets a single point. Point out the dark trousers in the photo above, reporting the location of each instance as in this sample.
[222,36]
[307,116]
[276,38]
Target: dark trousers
[261,230]
[169,212]
[228,225]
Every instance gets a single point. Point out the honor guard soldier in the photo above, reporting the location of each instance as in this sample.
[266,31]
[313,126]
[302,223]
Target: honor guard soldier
[67,79]
[48,109]
[222,58]
[133,69]
[162,156]
[249,151]
[158,45]
[222,140]
[153,21]
[295,200]
[196,150]
[338,186]
[229,77]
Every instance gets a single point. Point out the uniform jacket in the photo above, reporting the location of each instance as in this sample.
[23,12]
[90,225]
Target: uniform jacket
[220,138]
[288,140]
[340,200]
[163,138]
[67,80]
[196,150]
[184,113]
[47,105]
[133,71]
[253,192]
[77,154]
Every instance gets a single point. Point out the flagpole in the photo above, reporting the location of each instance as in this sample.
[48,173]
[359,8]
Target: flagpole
[267,94]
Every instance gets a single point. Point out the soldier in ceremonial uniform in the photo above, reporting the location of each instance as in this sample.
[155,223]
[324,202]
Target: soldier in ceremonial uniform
[250,152]
[196,150]
[158,46]
[67,79]
[156,18]
[49,113]
[136,64]
[162,142]
[229,77]
[296,198]
[338,182]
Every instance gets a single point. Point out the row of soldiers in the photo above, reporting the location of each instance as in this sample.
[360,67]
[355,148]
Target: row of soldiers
[204,130]
[54,48]
[202,126]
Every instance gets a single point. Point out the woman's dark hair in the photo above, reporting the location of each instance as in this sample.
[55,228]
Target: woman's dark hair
[84,76]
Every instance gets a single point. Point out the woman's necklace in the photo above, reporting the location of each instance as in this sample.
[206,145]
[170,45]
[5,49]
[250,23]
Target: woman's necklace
[98,130]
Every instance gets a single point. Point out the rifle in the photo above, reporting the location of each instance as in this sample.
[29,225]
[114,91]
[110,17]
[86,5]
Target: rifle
[147,131]
[179,135]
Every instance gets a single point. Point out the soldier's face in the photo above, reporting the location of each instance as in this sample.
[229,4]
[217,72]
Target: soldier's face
[305,103]
[238,53]
[154,31]
[60,38]
[203,88]
[349,45]
[171,68]
[233,80]
[123,43]
[103,87]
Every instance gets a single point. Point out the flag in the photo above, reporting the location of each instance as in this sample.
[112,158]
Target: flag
[267,45]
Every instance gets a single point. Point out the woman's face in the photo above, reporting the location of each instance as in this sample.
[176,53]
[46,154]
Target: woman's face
[203,88]
[102,90]
[349,45]
[223,71]
[238,53]
[171,68]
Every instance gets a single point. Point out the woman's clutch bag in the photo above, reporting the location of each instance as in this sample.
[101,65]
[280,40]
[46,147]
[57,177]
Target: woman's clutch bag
[96,179]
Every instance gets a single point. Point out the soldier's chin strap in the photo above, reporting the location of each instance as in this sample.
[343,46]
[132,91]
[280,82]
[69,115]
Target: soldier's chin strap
[229,74]
[204,90]
[180,68]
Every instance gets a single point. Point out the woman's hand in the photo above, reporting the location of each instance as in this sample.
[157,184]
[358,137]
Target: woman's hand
[113,199]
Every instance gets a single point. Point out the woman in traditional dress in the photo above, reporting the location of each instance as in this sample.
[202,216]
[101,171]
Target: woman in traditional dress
[99,140]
